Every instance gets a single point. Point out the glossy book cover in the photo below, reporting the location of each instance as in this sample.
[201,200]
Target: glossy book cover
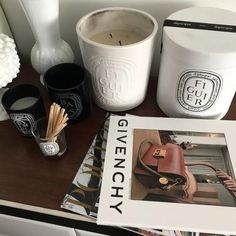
[170,173]
[83,194]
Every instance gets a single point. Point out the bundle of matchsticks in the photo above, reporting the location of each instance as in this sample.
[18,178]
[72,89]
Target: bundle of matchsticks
[56,121]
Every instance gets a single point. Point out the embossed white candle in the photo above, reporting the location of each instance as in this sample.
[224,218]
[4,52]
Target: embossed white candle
[23,103]
[117,47]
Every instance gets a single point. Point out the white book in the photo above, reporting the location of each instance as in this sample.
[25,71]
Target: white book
[196,193]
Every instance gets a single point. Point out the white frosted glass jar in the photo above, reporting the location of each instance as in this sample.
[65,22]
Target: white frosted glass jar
[197,76]
[117,46]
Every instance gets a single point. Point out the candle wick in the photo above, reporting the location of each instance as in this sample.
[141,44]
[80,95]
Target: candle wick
[110,35]
[120,42]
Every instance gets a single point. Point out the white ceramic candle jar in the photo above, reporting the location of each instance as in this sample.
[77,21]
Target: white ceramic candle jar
[197,76]
[117,47]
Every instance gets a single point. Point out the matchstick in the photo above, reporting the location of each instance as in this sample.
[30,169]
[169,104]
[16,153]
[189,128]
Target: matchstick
[56,121]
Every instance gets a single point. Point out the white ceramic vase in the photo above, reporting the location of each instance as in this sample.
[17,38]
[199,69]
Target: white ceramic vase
[50,49]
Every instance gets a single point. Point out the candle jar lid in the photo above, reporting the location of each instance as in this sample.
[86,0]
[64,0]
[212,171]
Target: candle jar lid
[205,35]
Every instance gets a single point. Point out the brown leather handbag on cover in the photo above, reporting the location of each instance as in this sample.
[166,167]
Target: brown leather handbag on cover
[160,166]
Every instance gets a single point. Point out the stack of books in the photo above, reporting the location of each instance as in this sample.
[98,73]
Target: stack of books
[108,186]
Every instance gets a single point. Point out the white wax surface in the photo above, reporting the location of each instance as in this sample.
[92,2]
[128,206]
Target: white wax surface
[23,103]
[117,37]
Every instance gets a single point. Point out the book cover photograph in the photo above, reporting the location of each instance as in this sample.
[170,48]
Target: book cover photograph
[83,194]
[171,173]
[184,167]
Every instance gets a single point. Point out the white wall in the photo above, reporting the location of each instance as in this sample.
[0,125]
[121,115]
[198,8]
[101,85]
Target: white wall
[4,27]
[72,10]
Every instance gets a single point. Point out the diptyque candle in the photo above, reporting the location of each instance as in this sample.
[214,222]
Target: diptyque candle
[198,63]
[24,105]
[117,47]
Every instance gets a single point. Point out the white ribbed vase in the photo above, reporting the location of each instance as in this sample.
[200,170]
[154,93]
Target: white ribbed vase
[49,49]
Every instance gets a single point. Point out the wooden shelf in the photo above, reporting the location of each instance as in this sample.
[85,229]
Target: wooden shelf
[27,178]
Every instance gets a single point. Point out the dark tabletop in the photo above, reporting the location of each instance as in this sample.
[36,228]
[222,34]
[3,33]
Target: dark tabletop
[27,177]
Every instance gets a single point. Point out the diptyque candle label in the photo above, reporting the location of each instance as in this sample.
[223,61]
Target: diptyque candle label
[71,102]
[198,90]
[113,78]
[23,122]
[49,148]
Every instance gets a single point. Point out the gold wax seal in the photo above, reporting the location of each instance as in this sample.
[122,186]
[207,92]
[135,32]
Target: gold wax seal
[163,180]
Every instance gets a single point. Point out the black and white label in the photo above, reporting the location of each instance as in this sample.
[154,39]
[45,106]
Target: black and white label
[72,104]
[198,90]
[199,25]
[23,122]
[49,148]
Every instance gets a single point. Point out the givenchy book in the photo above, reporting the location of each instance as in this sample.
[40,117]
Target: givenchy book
[170,173]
